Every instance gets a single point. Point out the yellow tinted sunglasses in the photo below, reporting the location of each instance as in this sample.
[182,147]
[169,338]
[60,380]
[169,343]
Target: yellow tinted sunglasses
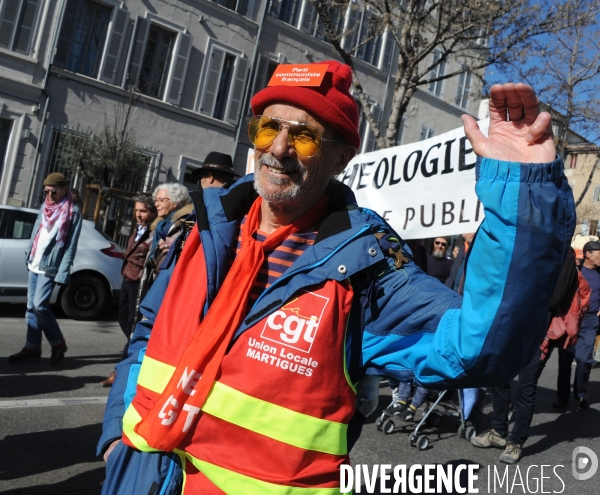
[304,138]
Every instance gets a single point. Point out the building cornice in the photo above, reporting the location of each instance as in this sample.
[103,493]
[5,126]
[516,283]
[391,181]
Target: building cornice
[20,89]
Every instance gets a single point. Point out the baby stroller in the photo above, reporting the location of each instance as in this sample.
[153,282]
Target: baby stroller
[432,416]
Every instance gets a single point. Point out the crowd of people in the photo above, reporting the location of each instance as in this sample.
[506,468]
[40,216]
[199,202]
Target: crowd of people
[261,313]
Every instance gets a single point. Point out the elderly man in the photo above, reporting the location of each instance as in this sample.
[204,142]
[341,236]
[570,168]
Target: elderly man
[259,370]
[216,171]
[49,258]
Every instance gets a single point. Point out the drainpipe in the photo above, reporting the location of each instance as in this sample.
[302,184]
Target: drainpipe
[49,57]
[267,7]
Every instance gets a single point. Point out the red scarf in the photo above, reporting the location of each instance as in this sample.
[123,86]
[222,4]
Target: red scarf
[52,213]
[207,348]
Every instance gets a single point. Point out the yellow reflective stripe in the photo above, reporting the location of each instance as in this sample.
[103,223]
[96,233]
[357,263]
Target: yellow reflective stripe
[155,375]
[130,419]
[232,482]
[273,421]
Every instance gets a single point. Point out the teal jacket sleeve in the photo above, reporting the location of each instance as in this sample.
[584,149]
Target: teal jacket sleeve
[419,328]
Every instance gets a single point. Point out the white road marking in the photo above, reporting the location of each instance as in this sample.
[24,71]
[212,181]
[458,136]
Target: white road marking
[67,401]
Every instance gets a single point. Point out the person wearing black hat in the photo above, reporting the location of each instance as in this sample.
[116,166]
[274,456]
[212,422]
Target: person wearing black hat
[49,258]
[583,350]
[216,171]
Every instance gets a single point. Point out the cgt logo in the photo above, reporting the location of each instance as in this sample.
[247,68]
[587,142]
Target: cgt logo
[585,463]
[295,325]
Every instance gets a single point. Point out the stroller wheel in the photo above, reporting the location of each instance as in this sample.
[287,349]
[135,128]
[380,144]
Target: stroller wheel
[461,431]
[388,426]
[470,433]
[422,442]
[379,423]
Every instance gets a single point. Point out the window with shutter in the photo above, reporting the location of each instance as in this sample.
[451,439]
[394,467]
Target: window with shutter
[82,36]
[18,19]
[370,141]
[222,91]
[439,70]
[463,90]
[426,133]
[289,11]
[370,40]
[401,131]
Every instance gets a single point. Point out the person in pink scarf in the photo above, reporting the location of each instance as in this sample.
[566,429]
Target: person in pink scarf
[49,258]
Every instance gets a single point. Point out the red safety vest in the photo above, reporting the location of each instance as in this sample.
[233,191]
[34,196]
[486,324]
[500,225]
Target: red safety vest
[276,418]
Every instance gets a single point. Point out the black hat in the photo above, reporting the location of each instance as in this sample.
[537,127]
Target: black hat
[591,246]
[216,161]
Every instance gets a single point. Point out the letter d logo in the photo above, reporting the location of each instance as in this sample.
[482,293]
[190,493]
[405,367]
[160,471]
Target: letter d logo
[581,463]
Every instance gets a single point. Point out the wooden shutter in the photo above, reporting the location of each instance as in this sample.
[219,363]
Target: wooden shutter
[309,14]
[351,26]
[211,82]
[136,51]
[26,30]
[237,91]
[179,68]
[8,22]
[387,49]
[112,50]
[260,77]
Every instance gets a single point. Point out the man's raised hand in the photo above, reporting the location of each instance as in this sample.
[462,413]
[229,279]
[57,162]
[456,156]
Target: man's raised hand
[518,131]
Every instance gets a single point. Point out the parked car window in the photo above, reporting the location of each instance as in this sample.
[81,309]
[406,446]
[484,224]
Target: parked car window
[22,225]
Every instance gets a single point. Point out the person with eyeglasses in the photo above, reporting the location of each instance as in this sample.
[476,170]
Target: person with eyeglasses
[263,347]
[438,264]
[173,205]
[49,258]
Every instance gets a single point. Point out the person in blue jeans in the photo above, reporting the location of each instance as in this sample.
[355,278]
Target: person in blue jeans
[49,258]
[400,406]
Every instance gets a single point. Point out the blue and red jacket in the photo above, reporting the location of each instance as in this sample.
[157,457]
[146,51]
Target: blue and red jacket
[412,326]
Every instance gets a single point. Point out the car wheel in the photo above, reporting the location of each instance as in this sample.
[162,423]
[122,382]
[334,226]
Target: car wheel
[85,298]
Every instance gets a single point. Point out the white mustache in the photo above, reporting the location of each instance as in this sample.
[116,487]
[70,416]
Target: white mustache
[288,164]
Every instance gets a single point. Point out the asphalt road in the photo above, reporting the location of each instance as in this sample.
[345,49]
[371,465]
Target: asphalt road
[50,419]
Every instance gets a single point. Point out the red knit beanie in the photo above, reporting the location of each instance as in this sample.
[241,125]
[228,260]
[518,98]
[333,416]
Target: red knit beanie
[331,102]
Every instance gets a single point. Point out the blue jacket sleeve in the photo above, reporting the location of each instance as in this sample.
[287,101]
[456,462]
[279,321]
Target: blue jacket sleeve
[123,389]
[421,327]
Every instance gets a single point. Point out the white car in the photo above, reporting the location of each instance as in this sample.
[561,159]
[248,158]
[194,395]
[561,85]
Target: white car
[95,274]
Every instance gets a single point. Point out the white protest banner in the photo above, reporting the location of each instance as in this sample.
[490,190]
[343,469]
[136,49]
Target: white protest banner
[423,189]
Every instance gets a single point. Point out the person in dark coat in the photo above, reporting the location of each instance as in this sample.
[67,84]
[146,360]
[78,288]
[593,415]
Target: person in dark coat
[133,265]
[438,265]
